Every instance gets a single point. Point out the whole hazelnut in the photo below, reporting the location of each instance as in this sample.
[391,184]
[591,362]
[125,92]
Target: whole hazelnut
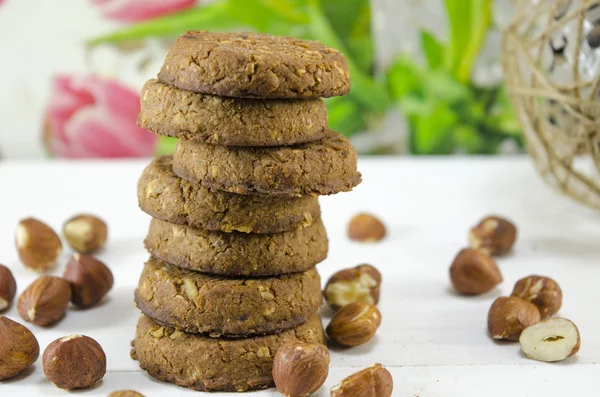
[8,287]
[542,292]
[85,233]
[90,280]
[38,245]
[300,369]
[508,317]
[374,381]
[366,228]
[493,235]
[358,284]
[354,324]
[74,362]
[18,348]
[45,301]
[125,393]
[473,272]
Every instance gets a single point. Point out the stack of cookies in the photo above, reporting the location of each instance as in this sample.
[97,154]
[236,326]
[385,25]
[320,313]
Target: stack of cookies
[236,230]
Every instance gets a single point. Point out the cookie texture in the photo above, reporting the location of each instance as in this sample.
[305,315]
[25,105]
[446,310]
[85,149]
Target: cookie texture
[201,303]
[169,111]
[164,195]
[210,364]
[255,65]
[238,254]
[324,167]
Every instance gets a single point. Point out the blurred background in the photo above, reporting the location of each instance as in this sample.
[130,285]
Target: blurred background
[426,74]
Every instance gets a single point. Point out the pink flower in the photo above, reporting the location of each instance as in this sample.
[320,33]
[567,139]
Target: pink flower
[139,10]
[92,117]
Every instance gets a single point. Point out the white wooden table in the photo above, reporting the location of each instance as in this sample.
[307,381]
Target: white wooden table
[433,341]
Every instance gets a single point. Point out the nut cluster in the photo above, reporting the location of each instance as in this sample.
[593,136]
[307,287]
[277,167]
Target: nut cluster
[359,284]
[354,324]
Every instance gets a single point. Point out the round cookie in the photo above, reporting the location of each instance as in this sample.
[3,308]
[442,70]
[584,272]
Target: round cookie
[238,254]
[164,195]
[200,303]
[210,364]
[255,65]
[317,168]
[169,111]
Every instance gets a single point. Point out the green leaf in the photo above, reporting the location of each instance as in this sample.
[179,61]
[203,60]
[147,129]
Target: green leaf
[404,76]
[344,115]
[441,86]
[469,21]
[431,133]
[433,49]
[351,20]
[166,145]
[371,94]
[215,17]
[268,16]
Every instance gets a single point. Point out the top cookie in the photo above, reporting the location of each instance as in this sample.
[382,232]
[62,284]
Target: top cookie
[255,65]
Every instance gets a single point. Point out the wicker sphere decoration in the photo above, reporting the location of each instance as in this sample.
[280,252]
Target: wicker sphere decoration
[551,59]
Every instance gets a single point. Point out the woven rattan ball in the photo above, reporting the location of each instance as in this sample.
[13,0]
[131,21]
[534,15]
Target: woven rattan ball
[551,57]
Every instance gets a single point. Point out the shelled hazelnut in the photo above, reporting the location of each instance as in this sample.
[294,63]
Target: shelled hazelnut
[551,340]
[354,324]
[543,292]
[374,381]
[473,272]
[85,233]
[366,228]
[509,316]
[90,280]
[8,287]
[37,244]
[300,368]
[18,348]
[493,235]
[45,301]
[358,284]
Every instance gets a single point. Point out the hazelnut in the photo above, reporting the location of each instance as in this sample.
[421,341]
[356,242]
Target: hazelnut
[374,381]
[45,301]
[125,393]
[8,287]
[85,233]
[74,362]
[493,235]
[300,369]
[551,340]
[366,228]
[508,317]
[358,284]
[38,245]
[473,272]
[89,278]
[542,292]
[354,324]
[18,348]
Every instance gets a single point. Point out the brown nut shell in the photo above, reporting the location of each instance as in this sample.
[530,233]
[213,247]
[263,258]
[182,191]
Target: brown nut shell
[37,244]
[374,381]
[366,228]
[74,362]
[8,287]
[494,235]
[359,284]
[542,291]
[300,368]
[85,233]
[473,272]
[18,348]
[90,280]
[354,324]
[45,301]
[509,316]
